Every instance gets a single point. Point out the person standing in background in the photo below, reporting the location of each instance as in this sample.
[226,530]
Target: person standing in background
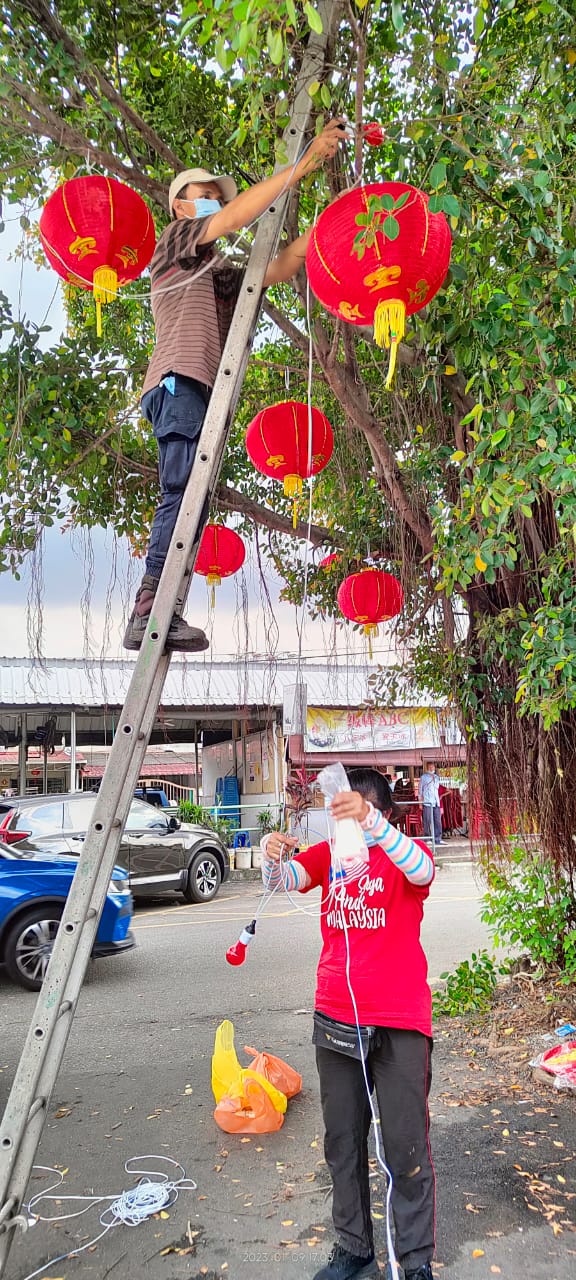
[429,797]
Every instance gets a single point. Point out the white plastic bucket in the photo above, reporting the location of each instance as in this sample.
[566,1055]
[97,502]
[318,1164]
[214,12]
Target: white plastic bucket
[256,856]
[243,859]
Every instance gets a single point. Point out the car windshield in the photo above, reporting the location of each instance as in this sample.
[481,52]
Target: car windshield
[141,815]
[145,815]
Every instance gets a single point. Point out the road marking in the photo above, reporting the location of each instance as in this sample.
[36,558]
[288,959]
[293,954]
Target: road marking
[437,902]
[169,924]
[189,906]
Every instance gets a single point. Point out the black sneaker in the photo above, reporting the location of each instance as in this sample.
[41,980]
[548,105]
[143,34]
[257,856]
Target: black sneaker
[423,1273]
[342,1265]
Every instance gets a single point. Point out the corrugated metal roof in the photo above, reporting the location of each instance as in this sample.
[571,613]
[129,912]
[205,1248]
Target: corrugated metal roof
[190,684]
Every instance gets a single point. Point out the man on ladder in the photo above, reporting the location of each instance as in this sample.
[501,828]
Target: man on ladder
[191,330]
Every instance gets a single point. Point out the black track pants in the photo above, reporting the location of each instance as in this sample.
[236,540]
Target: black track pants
[399,1065]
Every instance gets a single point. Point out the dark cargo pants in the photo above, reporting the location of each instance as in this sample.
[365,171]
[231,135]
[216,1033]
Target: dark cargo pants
[399,1064]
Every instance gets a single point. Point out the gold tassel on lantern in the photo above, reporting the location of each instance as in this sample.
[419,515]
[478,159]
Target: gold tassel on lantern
[389,329]
[105,288]
[213,580]
[370,630]
[293,489]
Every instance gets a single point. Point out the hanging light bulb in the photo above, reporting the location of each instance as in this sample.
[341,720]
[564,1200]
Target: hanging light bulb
[236,954]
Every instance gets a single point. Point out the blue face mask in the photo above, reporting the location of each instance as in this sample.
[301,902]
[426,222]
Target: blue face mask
[204,208]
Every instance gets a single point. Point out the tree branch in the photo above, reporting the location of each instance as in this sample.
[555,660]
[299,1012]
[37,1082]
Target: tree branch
[354,400]
[232,500]
[93,79]
[42,120]
[287,327]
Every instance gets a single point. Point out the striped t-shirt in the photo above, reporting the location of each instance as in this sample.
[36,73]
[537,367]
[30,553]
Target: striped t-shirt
[192,320]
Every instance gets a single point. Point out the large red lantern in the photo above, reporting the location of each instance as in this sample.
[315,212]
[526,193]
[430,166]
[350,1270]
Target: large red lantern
[290,442]
[97,233]
[376,255]
[220,554]
[369,597]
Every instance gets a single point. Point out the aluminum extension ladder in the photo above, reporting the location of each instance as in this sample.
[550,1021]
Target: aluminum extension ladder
[37,1071]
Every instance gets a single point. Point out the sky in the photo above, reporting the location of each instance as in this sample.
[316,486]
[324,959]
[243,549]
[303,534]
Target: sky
[86,581]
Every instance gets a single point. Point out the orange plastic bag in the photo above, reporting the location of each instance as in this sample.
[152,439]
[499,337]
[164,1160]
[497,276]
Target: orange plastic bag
[248,1109]
[277,1072]
[228,1077]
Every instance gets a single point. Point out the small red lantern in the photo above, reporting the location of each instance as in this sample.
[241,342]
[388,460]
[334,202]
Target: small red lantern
[290,442]
[330,562]
[373,133]
[377,255]
[220,554]
[370,597]
[97,233]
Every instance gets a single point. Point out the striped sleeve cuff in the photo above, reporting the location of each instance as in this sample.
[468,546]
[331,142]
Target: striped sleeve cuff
[290,874]
[410,859]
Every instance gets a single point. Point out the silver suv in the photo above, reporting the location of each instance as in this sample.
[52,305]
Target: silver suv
[160,853]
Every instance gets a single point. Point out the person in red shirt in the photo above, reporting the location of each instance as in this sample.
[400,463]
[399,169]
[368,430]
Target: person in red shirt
[372,1024]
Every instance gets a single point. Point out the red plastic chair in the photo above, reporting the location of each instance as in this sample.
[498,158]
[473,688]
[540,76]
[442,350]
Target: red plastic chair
[413,824]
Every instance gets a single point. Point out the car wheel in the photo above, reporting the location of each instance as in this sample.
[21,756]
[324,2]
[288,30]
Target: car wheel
[29,944]
[204,877]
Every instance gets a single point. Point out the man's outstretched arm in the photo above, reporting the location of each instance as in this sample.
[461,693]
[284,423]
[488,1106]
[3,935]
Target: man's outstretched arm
[248,205]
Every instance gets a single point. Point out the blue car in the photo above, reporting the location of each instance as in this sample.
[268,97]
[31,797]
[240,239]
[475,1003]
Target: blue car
[33,890]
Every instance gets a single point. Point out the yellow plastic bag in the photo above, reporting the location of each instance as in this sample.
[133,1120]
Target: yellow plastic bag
[228,1077]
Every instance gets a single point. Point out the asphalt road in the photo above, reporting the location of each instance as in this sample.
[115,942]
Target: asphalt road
[136,1080]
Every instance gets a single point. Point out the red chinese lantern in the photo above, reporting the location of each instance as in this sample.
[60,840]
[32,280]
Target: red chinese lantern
[97,234]
[220,554]
[330,562]
[278,443]
[370,597]
[376,256]
[373,133]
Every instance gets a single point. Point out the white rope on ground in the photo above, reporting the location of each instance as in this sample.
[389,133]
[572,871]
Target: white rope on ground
[154,1191]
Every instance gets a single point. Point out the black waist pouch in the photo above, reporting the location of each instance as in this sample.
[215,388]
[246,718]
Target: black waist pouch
[342,1037]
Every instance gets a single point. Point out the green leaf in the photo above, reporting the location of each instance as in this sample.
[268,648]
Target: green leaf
[451,206]
[498,436]
[436,204]
[314,19]
[391,228]
[326,97]
[479,22]
[437,175]
[313,88]
[275,45]
[397,16]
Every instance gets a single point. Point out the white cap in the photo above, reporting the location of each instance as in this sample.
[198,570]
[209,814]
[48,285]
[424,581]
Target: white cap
[227,185]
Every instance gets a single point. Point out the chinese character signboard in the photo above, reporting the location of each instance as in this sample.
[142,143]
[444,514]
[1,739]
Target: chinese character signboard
[373,730]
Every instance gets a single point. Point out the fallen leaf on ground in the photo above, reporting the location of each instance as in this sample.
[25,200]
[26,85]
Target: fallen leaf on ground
[495,1270]
[477,1253]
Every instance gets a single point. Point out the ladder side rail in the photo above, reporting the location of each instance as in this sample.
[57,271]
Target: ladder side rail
[39,1064]
[55,1006]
